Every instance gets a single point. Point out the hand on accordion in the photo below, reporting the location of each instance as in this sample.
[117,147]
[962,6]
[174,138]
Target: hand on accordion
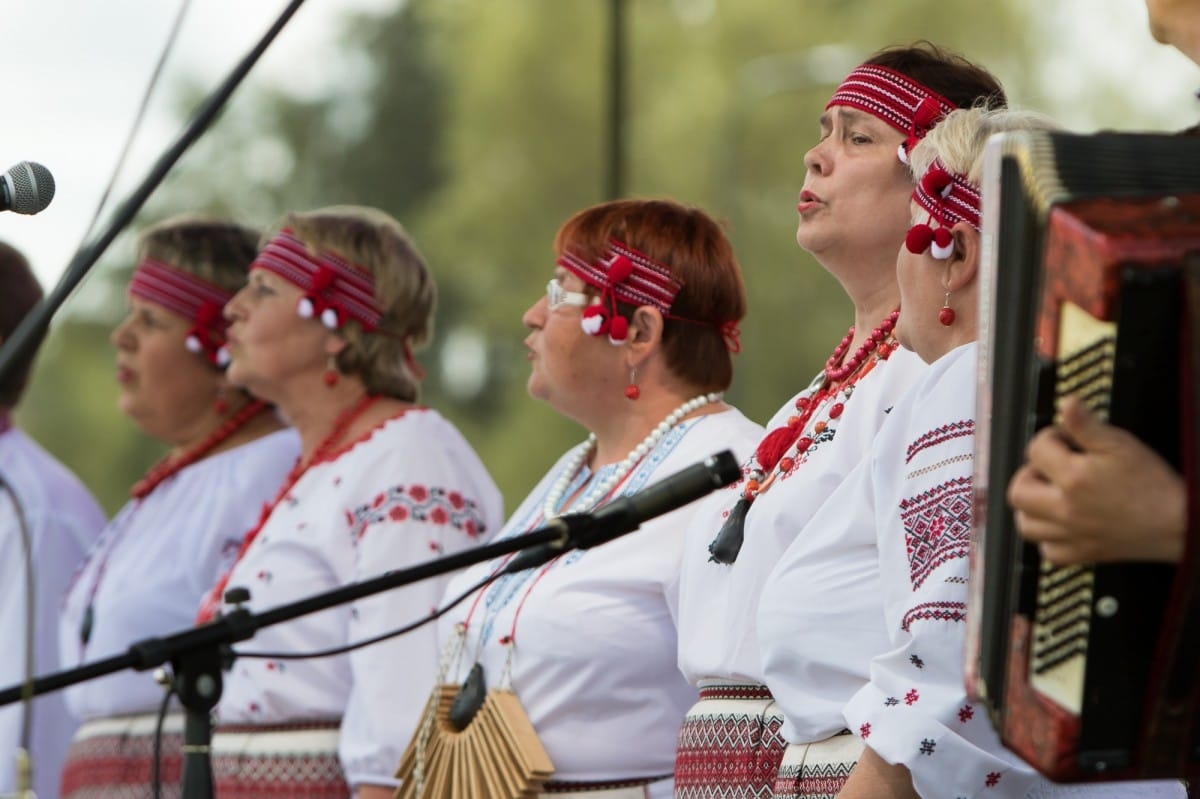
[1090,492]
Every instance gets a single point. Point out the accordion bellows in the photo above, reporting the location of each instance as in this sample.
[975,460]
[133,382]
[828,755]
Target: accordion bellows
[497,755]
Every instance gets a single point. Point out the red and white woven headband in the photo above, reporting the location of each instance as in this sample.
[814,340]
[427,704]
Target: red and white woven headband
[949,198]
[335,288]
[622,274]
[895,98]
[626,275]
[194,299]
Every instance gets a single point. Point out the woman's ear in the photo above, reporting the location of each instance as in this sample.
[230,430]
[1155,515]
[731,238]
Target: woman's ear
[645,330]
[963,266]
[334,344]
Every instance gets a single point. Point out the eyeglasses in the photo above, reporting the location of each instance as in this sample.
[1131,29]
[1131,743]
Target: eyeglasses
[559,296]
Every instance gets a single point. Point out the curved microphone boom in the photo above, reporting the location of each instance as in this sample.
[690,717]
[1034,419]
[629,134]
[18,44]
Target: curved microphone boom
[625,514]
[26,188]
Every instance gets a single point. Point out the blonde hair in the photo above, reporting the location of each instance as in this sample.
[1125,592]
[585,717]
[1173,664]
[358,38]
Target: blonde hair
[959,139]
[215,250]
[404,290]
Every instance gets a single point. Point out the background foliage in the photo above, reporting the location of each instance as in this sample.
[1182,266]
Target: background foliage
[481,125]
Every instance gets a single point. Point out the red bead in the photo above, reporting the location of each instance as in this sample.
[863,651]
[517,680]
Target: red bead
[836,410]
[803,444]
[802,403]
[786,464]
[330,377]
[946,316]
[632,391]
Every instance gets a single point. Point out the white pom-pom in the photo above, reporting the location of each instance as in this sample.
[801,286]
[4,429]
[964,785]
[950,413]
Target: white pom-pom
[329,318]
[222,357]
[193,344]
[942,253]
[591,324]
[305,308]
[902,153]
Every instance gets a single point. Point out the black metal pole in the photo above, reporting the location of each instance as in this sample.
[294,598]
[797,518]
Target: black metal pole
[615,178]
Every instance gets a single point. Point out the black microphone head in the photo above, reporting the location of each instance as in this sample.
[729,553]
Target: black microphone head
[29,188]
[725,468]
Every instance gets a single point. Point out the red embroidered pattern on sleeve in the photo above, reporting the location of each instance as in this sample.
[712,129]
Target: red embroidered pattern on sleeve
[934,611]
[937,524]
[418,503]
[940,435]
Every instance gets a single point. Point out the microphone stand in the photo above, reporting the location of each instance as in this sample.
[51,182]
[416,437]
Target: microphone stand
[29,332]
[197,655]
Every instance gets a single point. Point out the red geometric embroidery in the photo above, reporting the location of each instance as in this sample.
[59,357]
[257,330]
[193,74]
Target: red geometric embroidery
[934,611]
[865,731]
[736,754]
[992,778]
[940,435]
[419,503]
[936,527]
[966,713]
[911,697]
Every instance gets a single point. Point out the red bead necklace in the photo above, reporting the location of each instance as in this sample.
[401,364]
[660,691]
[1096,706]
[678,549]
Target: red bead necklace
[170,466]
[211,605]
[835,370]
[837,378]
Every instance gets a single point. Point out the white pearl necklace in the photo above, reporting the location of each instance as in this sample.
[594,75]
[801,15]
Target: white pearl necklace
[603,487]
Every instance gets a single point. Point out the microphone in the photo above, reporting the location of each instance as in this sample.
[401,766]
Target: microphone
[626,514]
[26,188]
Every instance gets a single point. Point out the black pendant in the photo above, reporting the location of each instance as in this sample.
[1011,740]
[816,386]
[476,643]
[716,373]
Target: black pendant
[85,627]
[728,543]
[469,700]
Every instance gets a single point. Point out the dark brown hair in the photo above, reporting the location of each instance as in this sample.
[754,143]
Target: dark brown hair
[694,247]
[949,74]
[19,293]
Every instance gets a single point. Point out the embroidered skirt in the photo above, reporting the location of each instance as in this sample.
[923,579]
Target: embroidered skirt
[113,758]
[730,745]
[817,770]
[296,761]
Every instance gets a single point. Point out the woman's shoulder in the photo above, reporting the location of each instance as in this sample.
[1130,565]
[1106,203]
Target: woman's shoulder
[418,443]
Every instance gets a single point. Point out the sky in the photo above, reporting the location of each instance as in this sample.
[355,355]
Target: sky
[76,72]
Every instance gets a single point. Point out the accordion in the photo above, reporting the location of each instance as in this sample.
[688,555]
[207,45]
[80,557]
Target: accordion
[1090,285]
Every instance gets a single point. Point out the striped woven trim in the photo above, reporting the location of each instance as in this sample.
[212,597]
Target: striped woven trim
[888,95]
[300,738]
[597,788]
[351,288]
[178,291]
[960,204]
[142,724]
[735,691]
[650,283]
